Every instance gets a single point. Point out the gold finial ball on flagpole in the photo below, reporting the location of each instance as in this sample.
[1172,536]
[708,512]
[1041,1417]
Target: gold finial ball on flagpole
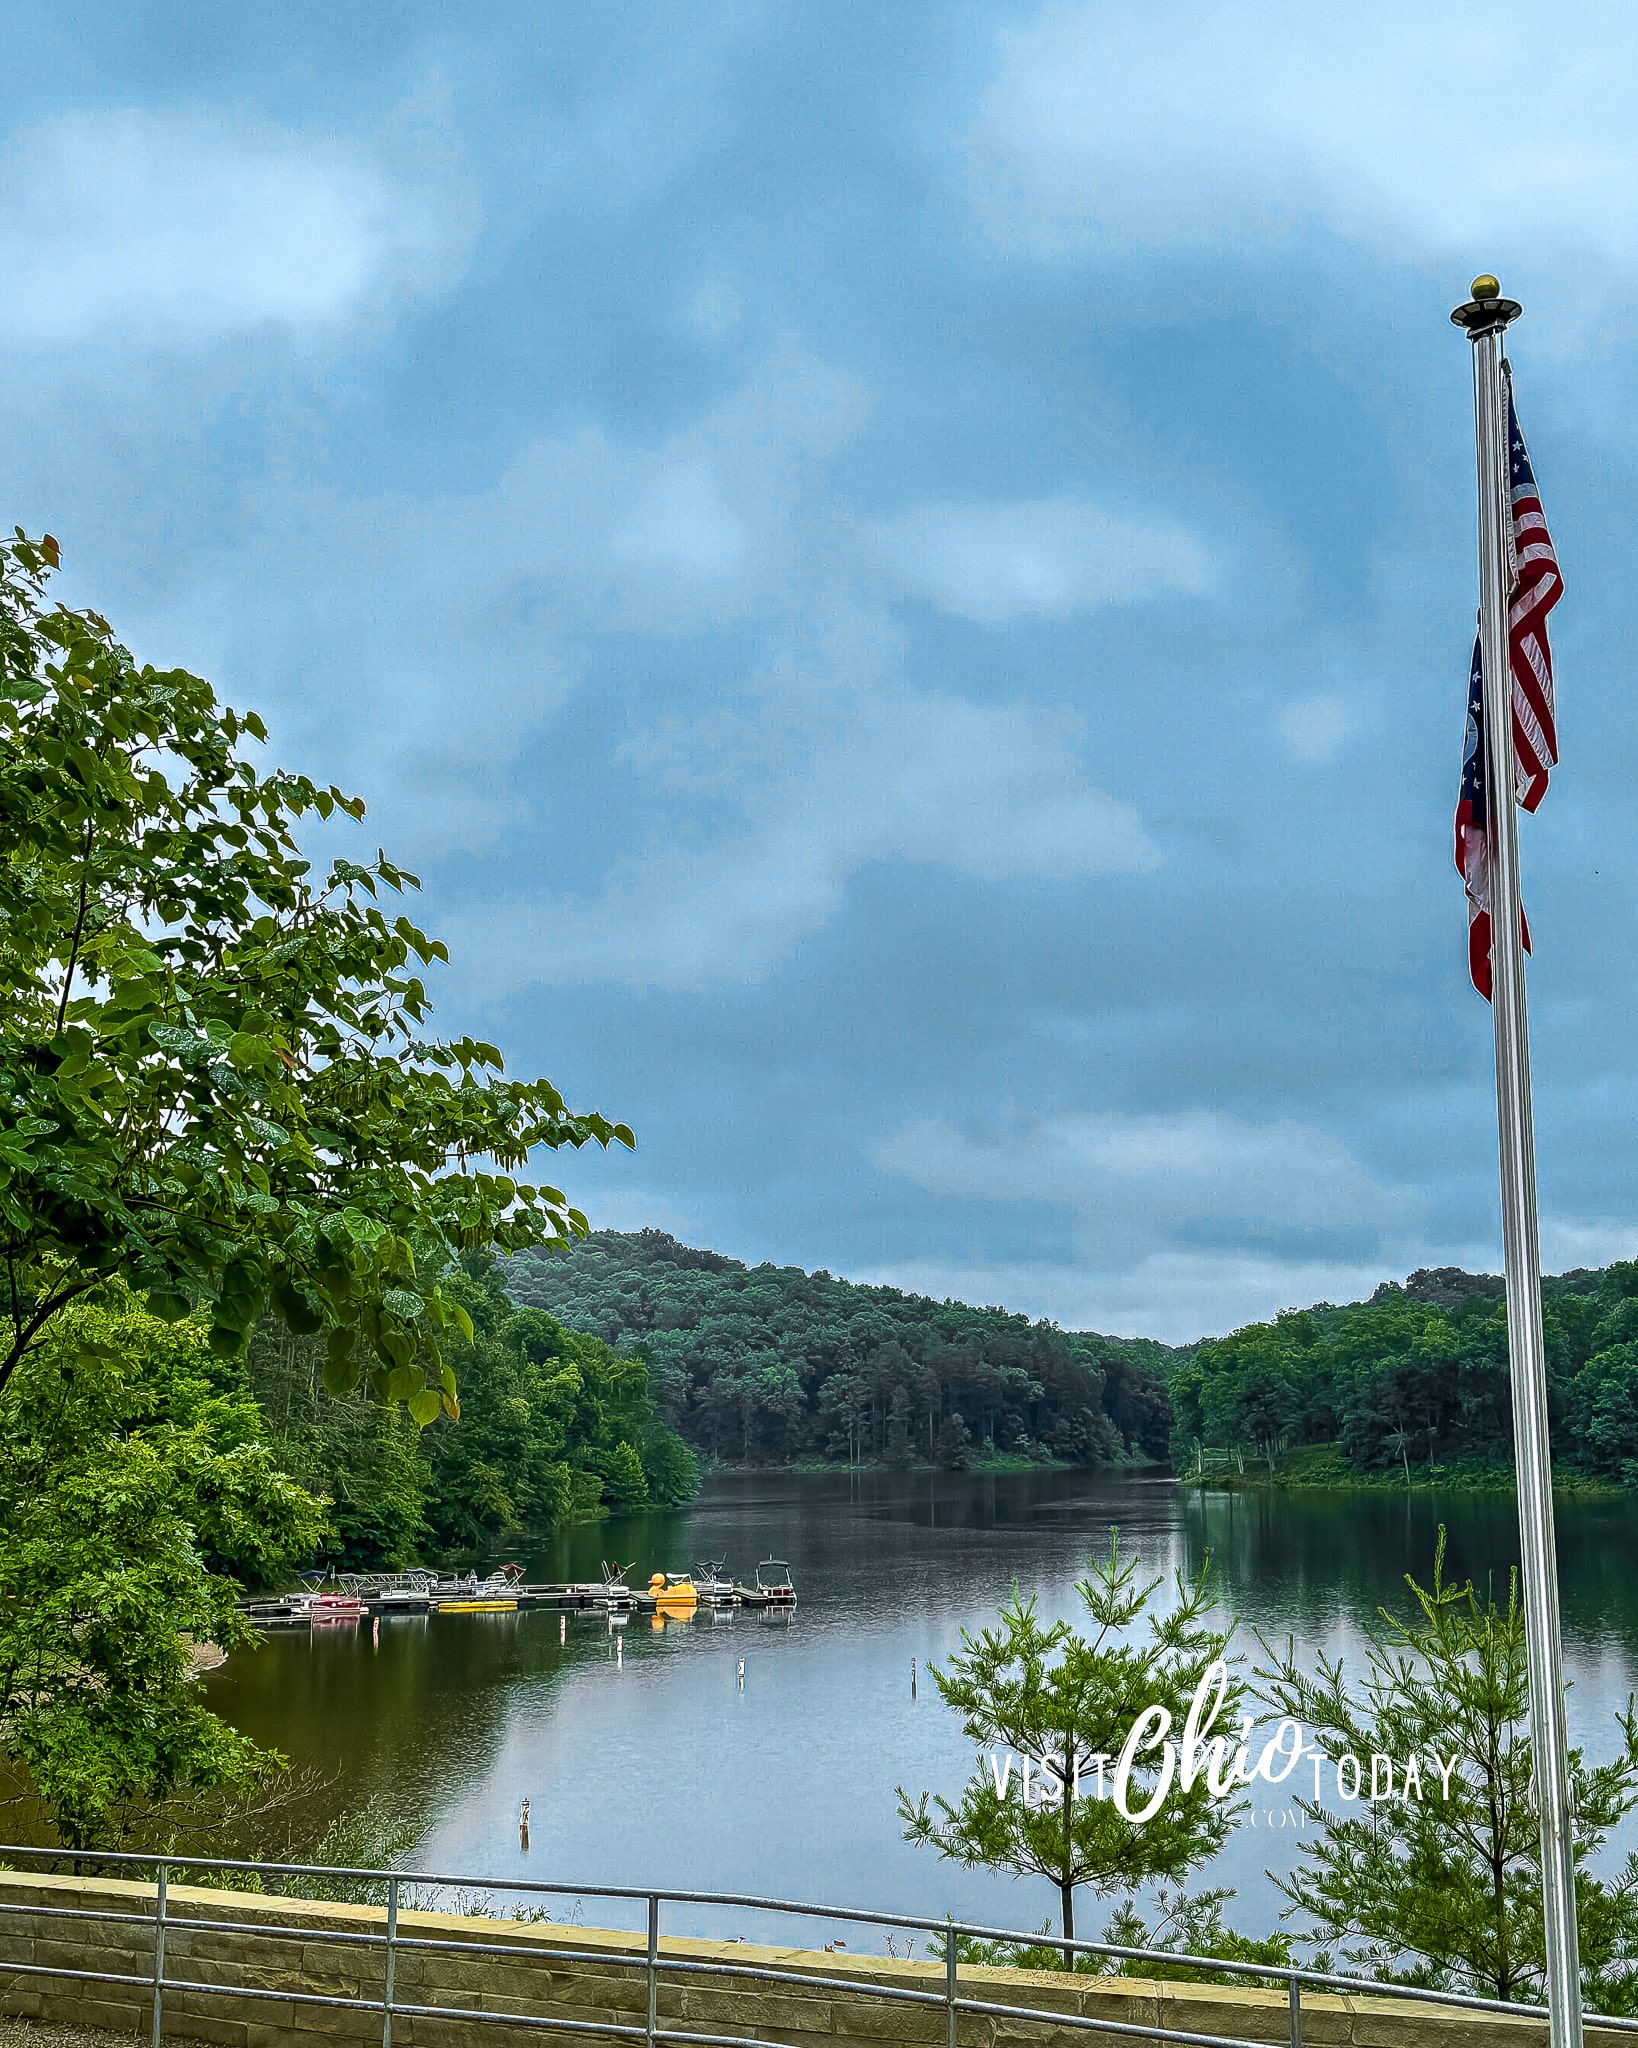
[1487,312]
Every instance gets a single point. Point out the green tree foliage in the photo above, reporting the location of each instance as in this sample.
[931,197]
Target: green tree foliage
[1417,1376]
[770,1363]
[1067,1703]
[555,1427]
[132,1484]
[366,1459]
[1442,1892]
[214,1078]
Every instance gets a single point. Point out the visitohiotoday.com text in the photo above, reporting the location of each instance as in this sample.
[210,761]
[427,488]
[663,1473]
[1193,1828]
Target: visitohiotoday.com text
[1224,1762]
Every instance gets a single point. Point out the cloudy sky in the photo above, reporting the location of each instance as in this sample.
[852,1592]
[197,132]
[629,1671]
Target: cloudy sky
[904,575]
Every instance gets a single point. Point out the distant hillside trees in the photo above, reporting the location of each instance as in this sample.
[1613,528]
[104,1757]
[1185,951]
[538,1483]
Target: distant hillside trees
[1418,1375]
[554,1427]
[767,1364]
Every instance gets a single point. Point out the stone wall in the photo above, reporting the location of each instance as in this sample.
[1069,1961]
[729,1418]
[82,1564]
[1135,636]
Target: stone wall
[594,1978]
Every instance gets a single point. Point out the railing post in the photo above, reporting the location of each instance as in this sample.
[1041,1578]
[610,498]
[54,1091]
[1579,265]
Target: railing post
[653,1963]
[159,1957]
[950,1984]
[1293,1992]
[390,1973]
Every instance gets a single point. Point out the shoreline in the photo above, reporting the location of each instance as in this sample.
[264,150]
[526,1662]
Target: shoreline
[1319,1469]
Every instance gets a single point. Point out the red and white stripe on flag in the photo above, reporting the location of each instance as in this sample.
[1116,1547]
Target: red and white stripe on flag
[1534,586]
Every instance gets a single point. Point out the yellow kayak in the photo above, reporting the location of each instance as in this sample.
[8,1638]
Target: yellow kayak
[477,1607]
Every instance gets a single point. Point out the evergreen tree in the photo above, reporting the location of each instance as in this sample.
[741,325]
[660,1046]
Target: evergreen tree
[1065,1703]
[1438,1888]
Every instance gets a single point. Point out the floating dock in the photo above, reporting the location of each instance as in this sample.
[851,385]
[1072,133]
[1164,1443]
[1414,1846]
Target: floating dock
[422,1593]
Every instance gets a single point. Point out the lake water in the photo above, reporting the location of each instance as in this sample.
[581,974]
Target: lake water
[646,1763]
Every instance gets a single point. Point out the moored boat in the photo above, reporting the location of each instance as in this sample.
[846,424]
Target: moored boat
[773,1586]
[713,1585]
[334,1604]
[293,1612]
[616,1595]
[400,1600]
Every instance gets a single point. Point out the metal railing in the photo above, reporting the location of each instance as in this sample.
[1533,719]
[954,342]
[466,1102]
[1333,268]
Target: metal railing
[649,1959]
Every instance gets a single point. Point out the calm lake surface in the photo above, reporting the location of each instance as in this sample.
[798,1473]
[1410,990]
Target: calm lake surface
[645,1763]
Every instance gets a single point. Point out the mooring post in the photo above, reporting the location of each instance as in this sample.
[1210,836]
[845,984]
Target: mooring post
[159,1957]
[389,1976]
[1293,1992]
[653,1963]
[949,1983]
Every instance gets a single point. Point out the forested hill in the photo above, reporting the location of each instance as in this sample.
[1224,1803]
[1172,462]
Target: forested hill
[1418,1376]
[769,1363]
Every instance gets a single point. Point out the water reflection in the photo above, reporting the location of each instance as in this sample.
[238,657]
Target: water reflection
[647,1761]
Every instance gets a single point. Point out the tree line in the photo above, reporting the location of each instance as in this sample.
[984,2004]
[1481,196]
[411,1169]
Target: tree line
[768,1364]
[554,1427]
[248,1207]
[1418,1376]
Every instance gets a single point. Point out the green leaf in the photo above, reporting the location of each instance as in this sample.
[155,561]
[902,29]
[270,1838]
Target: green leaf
[403,1382]
[424,1407]
[240,1283]
[174,1037]
[341,1375]
[297,1311]
[403,1304]
[397,1348]
[250,1052]
[362,1229]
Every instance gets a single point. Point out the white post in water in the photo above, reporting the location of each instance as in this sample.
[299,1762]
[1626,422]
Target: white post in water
[1485,317]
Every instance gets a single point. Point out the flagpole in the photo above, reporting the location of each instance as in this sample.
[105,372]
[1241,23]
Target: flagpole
[1486,316]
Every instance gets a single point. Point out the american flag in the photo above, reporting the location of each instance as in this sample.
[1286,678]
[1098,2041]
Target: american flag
[1534,586]
[1472,833]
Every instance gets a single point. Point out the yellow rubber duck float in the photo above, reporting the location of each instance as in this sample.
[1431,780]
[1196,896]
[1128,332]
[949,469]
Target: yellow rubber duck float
[673,1592]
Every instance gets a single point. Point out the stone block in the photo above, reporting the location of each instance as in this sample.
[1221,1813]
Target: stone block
[596,1976]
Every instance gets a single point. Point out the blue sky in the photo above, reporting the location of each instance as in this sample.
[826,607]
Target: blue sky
[904,575]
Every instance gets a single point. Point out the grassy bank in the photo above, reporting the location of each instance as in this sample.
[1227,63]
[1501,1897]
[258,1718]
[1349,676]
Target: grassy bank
[1321,1468]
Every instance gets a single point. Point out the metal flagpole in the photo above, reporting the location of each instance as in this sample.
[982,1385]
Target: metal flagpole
[1485,317]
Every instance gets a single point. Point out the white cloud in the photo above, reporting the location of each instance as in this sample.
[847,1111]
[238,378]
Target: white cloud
[458,623]
[816,776]
[1567,1242]
[1175,1296]
[179,228]
[1314,728]
[458,620]
[1178,1294]
[1051,557]
[1157,1174]
[1176,126]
